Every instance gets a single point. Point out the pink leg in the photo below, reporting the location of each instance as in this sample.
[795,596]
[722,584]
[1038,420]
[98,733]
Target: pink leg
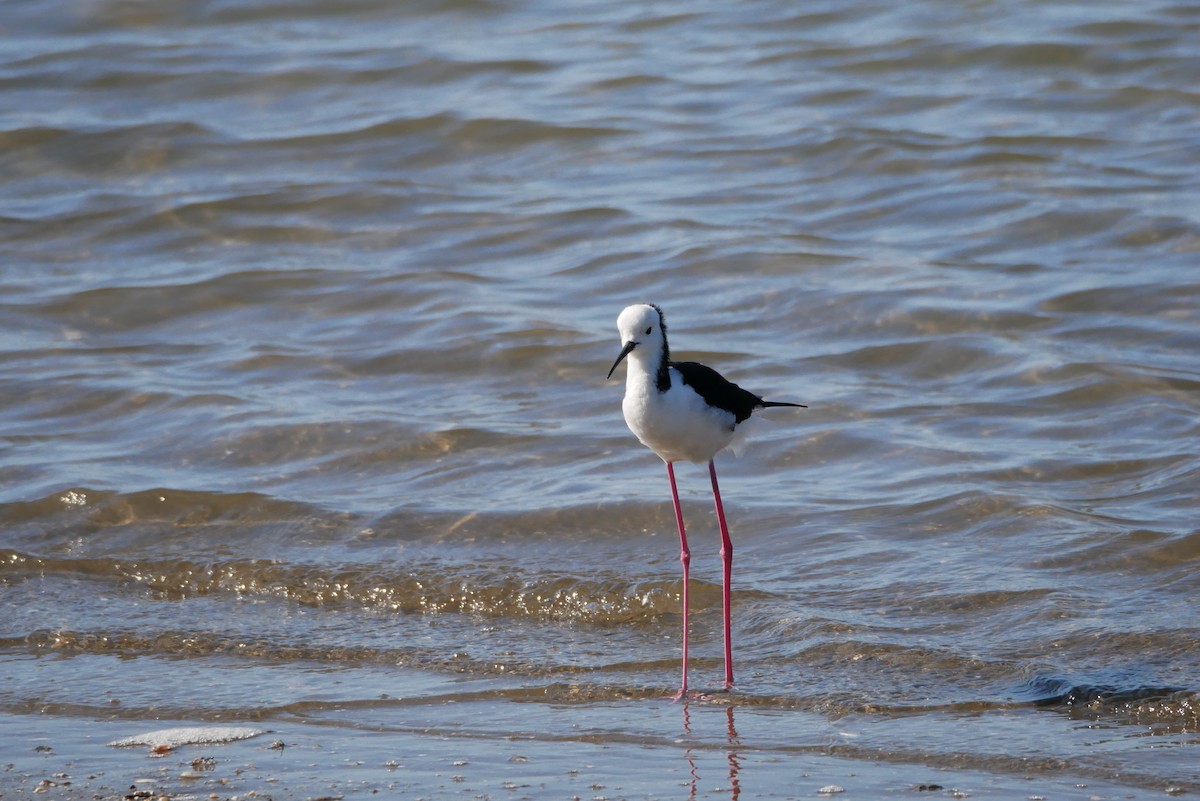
[727,560]
[685,557]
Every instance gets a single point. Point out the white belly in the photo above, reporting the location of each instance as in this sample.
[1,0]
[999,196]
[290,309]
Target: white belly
[677,425]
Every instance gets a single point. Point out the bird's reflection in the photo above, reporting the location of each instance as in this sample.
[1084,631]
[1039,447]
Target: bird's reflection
[735,759]
[732,753]
[687,752]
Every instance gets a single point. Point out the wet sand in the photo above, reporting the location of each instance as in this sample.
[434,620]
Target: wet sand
[708,757]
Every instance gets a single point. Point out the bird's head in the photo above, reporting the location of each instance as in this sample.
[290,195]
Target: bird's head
[641,326]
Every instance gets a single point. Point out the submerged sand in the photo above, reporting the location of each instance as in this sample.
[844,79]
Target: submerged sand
[62,758]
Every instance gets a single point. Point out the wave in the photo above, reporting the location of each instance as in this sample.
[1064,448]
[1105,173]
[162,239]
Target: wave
[429,588]
[1128,703]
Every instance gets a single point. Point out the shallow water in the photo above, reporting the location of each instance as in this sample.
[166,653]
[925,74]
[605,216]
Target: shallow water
[306,312]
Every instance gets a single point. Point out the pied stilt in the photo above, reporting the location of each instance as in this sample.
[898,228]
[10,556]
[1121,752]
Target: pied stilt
[683,411]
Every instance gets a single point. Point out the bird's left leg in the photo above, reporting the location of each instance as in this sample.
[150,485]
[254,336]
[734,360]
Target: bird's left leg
[727,561]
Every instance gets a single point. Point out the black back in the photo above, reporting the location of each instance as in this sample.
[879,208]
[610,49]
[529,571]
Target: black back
[717,390]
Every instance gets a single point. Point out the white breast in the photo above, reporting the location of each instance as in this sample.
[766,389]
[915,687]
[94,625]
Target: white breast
[677,425]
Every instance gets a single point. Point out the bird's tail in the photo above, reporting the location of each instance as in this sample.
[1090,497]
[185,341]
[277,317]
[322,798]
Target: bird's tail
[781,403]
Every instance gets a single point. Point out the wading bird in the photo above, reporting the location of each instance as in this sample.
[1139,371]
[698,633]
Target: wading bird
[683,411]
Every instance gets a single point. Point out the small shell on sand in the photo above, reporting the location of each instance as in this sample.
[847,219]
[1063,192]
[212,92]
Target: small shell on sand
[197,735]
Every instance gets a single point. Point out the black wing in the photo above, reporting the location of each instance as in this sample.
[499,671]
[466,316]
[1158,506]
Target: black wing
[717,390]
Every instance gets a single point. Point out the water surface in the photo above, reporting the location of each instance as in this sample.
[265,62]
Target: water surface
[306,311]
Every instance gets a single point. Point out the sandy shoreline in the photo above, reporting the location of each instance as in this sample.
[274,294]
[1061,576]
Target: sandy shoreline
[49,757]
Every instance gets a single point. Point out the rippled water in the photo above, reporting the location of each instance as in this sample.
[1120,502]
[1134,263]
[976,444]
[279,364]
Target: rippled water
[306,311]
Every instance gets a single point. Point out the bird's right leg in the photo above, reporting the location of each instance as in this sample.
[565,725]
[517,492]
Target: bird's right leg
[685,558]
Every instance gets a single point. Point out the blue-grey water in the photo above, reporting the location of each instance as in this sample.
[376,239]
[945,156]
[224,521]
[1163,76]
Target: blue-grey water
[306,309]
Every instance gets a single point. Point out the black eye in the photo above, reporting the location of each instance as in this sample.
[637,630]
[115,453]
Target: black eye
[648,328]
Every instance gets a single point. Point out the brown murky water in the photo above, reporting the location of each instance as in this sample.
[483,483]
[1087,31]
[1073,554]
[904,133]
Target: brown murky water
[306,311]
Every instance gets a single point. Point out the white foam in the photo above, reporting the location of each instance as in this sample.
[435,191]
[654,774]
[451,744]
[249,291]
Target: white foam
[195,735]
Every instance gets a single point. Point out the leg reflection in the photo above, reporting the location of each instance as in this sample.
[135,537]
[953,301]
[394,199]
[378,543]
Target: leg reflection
[732,752]
[687,752]
[735,759]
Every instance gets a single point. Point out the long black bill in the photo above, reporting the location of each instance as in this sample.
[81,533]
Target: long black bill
[624,352]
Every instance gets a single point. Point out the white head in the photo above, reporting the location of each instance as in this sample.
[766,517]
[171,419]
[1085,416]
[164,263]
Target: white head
[643,328]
